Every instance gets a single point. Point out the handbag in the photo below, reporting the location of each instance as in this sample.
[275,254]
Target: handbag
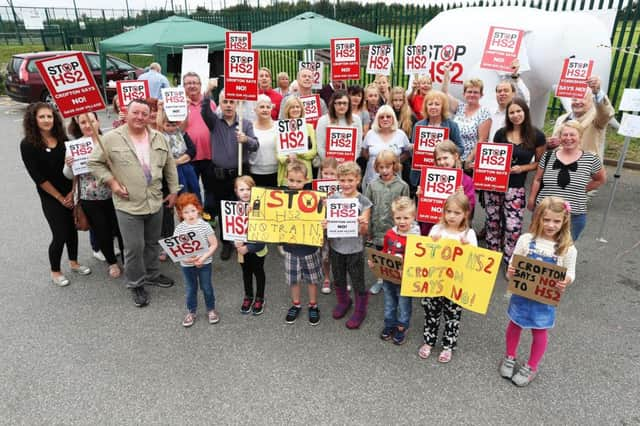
[79,217]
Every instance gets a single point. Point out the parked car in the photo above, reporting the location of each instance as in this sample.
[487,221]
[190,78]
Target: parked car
[24,83]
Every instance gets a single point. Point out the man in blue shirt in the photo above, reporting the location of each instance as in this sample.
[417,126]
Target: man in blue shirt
[156,80]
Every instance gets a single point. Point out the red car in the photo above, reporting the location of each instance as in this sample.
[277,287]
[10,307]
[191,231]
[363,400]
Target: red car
[24,83]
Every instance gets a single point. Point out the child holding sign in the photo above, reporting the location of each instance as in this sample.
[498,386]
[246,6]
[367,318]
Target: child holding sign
[454,225]
[328,170]
[549,240]
[196,270]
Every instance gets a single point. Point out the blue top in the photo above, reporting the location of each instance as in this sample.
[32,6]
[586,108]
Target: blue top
[156,81]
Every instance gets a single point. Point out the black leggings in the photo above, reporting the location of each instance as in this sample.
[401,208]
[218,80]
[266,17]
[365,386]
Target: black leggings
[253,265]
[103,221]
[63,231]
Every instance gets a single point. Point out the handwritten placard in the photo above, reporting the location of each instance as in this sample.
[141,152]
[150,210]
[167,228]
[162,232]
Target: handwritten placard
[386,266]
[537,280]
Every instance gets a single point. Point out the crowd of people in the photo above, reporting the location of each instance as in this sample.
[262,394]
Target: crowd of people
[148,169]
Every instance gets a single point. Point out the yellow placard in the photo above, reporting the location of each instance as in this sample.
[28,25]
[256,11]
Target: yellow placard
[462,273]
[286,216]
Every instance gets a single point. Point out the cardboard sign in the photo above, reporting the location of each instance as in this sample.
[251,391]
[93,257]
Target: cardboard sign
[492,166]
[342,217]
[425,141]
[573,80]
[462,273]
[416,59]
[501,48]
[184,246]
[317,68]
[292,136]
[326,185]
[380,59]
[312,108]
[341,143]
[286,216]
[129,90]
[71,84]
[238,40]
[241,74]
[175,103]
[386,266]
[79,150]
[235,216]
[630,100]
[345,59]
[436,184]
[536,280]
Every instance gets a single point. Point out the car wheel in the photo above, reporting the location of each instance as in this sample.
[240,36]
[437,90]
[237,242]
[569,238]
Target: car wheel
[47,98]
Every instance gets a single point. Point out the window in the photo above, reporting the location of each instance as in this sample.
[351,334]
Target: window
[121,65]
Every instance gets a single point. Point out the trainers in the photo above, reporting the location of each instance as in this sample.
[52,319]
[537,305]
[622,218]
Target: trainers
[399,337]
[376,287]
[326,287]
[524,376]
[246,306]
[507,366]
[162,281]
[189,320]
[387,333]
[314,315]
[292,314]
[258,307]
[140,296]
[213,317]
[98,255]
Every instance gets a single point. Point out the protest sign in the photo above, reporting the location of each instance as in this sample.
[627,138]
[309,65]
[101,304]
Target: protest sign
[492,166]
[462,273]
[33,19]
[129,90]
[326,185]
[426,138]
[536,280]
[342,217]
[416,59]
[385,266]
[380,59]
[79,150]
[312,108]
[317,68]
[286,216]
[345,58]
[71,84]
[501,48]
[629,125]
[184,246]
[235,215]
[436,185]
[573,80]
[241,74]
[341,143]
[195,58]
[630,100]
[238,40]
[292,136]
[175,103]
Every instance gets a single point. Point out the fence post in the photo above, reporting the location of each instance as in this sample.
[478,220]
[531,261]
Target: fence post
[15,21]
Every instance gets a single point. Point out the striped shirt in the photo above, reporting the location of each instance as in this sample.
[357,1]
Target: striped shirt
[202,228]
[575,192]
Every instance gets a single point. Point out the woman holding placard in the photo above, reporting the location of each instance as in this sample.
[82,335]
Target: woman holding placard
[339,115]
[293,109]
[42,151]
[264,163]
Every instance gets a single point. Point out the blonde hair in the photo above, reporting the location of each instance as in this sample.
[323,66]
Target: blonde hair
[473,82]
[385,110]
[371,87]
[446,146]
[247,180]
[403,203]
[573,124]
[436,95]
[404,122]
[329,163]
[297,166]
[387,157]
[556,205]
[461,200]
[289,104]
[348,168]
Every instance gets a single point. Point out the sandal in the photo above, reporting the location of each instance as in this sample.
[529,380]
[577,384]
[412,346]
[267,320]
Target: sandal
[81,269]
[114,271]
[445,356]
[424,351]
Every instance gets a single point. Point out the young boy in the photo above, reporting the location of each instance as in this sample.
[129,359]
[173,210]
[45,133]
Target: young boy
[347,252]
[302,263]
[397,309]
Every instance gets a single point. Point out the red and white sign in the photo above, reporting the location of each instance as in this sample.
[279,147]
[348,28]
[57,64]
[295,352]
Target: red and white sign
[492,166]
[241,74]
[436,185]
[501,48]
[341,143]
[345,59]
[317,68]
[292,136]
[184,246]
[425,141]
[342,217]
[79,150]
[312,109]
[416,59]
[235,218]
[129,90]
[380,59]
[573,80]
[71,84]
[175,103]
[326,185]
[238,40]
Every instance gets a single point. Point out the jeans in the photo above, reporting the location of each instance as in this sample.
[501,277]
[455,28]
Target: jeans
[578,222]
[397,309]
[192,276]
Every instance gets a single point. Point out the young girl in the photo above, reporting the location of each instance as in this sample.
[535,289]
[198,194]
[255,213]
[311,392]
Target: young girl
[371,100]
[454,225]
[421,86]
[549,240]
[382,82]
[381,192]
[196,270]
[328,170]
[254,254]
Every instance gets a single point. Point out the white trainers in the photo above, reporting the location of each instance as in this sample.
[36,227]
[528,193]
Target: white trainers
[98,255]
[524,376]
[376,287]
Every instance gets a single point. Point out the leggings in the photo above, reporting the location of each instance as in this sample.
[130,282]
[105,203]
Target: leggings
[352,264]
[253,265]
[63,231]
[538,345]
[434,307]
[102,218]
[505,212]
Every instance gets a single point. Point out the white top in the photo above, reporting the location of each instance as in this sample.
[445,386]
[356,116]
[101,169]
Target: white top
[265,160]
[469,234]
[375,144]
[548,248]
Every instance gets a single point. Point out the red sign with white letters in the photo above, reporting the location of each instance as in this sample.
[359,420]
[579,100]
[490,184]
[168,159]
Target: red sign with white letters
[129,90]
[345,59]
[241,74]
[492,166]
[312,109]
[341,143]
[425,140]
[573,80]
[436,185]
[501,48]
[238,40]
